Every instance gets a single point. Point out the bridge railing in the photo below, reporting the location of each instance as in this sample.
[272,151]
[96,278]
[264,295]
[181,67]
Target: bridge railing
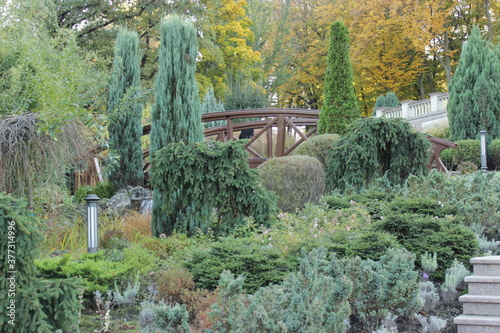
[408,109]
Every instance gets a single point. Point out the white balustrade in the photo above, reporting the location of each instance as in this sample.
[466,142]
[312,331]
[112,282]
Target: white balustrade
[408,109]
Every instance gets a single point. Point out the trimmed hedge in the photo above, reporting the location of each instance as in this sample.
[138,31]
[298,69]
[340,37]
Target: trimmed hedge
[296,180]
[318,146]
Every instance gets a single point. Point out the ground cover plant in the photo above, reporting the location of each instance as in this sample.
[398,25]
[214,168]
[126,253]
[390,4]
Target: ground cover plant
[364,237]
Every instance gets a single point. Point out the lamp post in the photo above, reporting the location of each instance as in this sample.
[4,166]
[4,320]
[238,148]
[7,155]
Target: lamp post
[92,200]
[484,168]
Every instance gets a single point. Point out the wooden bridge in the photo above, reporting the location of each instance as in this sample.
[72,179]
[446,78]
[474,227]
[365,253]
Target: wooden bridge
[271,130]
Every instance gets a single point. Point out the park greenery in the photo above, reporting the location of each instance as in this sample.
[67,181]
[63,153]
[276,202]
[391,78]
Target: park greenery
[353,233]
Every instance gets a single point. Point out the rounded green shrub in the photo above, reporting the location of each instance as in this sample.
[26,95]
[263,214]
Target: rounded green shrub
[493,155]
[260,264]
[296,180]
[447,237]
[372,245]
[467,151]
[318,146]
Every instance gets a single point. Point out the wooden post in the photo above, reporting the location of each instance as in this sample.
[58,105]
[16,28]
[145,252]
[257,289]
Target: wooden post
[269,134]
[280,142]
[229,134]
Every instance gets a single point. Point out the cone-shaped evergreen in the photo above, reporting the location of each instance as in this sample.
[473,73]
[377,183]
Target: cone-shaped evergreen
[176,115]
[211,104]
[474,103]
[125,111]
[391,100]
[380,102]
[340,106]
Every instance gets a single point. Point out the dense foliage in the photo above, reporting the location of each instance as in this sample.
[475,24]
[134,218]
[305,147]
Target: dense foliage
[377,147]
[192,179]
[30,158]
[467,151]
[340,105]
[261,265]
[318,146]
[310,300]
[176,115]
[30,303]
[125,111]
[474,103]
[389,100]
[296,180]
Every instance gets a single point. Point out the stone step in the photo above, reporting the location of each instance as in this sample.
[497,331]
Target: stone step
[483,285]
[477,324]
[486,266]
[480,305]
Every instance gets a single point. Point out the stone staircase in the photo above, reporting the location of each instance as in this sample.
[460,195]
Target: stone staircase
[481,307]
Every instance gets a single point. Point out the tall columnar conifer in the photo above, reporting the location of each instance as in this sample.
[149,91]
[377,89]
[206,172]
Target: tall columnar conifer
[340,106]
[125,111]
[474,103]
[176,114]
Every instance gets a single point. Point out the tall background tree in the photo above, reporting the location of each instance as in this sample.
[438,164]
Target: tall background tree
[474,103]
[340,107]
[125,111]
[176,115]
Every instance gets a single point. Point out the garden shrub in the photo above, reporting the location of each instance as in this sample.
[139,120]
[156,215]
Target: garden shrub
[455,275]
[318,146]
[296,180]
[428,294]
[380,287]
[40,306]
[494,155]
[371,200]
[103,190]
[377,147]
[199,177]
[371,245]
[467,151]
[310,300]
[475,197]
[420,206]
[98,271]
[164,318]
[260,264]
[445,236]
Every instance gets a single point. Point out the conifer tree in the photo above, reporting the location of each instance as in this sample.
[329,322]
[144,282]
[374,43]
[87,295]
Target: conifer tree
[380,102]
[211,104]
[125,111]
[391,100]
[340,106]
[474,103]
[176,114]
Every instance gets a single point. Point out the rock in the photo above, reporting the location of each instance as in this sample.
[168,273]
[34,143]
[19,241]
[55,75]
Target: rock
[140,193]
[120,201]
[130,197]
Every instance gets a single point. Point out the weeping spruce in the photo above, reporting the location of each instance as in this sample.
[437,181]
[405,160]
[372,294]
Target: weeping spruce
[474,103]
[340,106]
[125,111]
[377,147]
[176,117]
